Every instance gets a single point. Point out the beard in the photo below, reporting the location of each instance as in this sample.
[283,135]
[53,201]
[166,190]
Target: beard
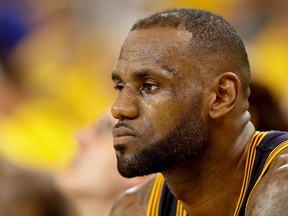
[184,142]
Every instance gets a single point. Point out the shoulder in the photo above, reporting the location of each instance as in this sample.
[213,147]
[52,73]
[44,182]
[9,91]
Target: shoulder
[134,199]
[270,195]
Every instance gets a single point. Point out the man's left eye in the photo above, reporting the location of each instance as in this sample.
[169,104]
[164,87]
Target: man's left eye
[149,87]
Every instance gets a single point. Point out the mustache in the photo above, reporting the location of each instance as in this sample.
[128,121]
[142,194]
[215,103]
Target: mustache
[123,124]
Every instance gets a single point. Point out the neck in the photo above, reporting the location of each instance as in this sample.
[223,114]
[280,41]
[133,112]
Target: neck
[210,184]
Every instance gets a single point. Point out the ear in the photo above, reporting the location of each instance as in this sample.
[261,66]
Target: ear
[225,91]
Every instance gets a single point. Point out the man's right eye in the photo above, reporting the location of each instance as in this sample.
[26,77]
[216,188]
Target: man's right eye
[119,87]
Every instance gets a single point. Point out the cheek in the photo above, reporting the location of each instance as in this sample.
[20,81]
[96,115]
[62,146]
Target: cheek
[160,103]
[162,115]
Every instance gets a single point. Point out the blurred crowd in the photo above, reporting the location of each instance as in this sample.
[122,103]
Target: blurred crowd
[55,64]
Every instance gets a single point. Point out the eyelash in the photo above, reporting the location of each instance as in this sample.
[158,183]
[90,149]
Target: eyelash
[147,87]
[118,87]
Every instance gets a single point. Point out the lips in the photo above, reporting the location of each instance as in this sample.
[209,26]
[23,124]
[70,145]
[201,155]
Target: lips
[122,135]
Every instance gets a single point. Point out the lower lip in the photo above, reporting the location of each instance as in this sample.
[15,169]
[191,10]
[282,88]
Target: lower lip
[122,139]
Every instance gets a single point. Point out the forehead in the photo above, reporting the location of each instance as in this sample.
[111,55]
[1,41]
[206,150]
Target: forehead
[169,36]
[158,45]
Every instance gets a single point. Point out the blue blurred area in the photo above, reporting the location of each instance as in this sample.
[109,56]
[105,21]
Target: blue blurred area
[13,27]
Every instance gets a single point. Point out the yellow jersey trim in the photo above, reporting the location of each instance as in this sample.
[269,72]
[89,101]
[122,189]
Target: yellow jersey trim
[251,153]
[155,196]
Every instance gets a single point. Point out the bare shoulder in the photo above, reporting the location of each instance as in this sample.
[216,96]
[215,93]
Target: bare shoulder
[270,196]
[135,200]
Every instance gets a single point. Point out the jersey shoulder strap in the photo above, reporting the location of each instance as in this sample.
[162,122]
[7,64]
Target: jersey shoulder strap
[162,202]
[273,143]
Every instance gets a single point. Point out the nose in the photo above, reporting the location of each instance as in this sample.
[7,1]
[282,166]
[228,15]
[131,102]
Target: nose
[125,106]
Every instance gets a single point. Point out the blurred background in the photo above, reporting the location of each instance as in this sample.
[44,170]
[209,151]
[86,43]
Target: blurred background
[57,56]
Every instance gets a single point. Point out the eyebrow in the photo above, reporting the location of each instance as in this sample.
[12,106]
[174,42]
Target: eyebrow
[143,73]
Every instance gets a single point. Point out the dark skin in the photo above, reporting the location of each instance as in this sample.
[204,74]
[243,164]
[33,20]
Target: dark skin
[209,183]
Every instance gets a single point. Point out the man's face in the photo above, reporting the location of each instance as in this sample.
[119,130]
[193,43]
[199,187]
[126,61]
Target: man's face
[159,105]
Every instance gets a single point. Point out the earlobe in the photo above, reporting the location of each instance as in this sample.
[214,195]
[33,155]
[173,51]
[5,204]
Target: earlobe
[226,91]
